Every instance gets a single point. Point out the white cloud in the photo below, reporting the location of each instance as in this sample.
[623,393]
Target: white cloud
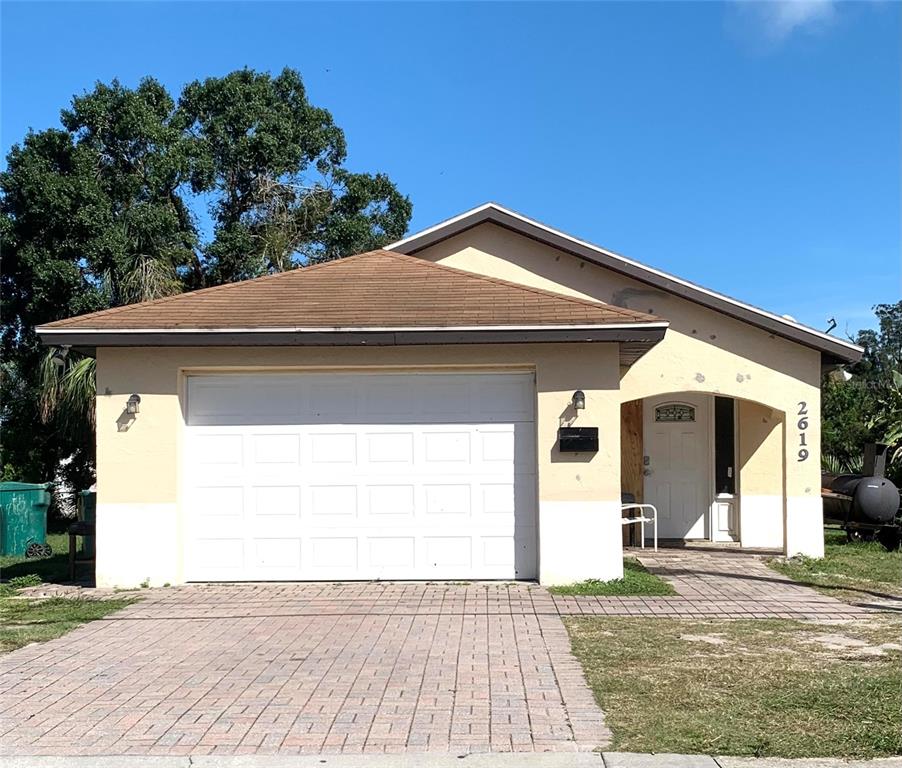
[781,18]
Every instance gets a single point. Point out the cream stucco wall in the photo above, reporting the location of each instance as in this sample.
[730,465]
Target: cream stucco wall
[703,351]
[140,459]
[760,462]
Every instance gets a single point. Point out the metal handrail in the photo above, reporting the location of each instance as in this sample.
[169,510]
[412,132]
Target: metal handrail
[642,520]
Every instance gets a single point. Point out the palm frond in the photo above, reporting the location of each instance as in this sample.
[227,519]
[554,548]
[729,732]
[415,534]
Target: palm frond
[68,391]
[838,465]
[147,278]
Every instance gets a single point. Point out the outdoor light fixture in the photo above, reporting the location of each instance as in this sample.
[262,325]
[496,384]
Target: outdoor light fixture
[59,357]
[579,400]
[133,404]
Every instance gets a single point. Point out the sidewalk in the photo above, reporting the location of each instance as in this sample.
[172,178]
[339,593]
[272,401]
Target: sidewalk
[486,760]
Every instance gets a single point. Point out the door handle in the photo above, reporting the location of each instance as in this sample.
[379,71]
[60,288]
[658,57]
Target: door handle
[648,472]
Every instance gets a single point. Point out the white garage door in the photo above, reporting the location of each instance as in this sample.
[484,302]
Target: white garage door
[360,476]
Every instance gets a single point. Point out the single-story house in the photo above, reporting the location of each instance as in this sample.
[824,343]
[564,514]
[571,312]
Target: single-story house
[470,402]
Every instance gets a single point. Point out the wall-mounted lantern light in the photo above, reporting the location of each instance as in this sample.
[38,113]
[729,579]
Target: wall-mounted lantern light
[59,357]
[579,400]
[133,404]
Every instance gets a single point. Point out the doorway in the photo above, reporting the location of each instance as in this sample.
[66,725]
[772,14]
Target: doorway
[676,463]
[689,466]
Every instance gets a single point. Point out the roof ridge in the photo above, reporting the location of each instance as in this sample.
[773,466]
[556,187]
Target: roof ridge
[529,288]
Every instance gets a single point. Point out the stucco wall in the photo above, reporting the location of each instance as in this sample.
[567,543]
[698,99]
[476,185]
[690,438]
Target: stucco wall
[703,351]
[760,462]
[140,460]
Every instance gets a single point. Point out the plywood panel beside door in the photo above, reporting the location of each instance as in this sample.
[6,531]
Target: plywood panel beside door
[631,479]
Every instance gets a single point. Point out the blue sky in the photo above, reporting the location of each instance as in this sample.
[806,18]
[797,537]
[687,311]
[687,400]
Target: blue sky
[752,147]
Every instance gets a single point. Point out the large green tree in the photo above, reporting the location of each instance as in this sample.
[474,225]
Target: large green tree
[275,164]
[103,211]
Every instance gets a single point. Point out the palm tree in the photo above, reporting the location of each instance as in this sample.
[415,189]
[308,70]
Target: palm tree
[68,390]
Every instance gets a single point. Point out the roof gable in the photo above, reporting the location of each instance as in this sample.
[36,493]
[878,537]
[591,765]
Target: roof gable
[833,349]
[374,290]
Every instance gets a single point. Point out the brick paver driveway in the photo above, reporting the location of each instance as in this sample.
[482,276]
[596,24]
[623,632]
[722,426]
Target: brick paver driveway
[300,668]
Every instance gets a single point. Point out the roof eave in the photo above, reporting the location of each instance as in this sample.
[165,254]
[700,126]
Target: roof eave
[833,351]
[134,337]
[635,339]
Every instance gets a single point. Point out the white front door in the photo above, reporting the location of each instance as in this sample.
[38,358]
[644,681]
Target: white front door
[677,463]
[360,476]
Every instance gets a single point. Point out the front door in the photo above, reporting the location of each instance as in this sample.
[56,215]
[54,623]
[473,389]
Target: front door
[677,463]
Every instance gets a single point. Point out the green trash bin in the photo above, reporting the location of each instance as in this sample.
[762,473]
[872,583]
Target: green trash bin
[23,518]
[87,513]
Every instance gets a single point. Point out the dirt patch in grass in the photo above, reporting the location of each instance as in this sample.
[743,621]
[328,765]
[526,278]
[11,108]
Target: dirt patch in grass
[637,580]
[849,570]
[759,687]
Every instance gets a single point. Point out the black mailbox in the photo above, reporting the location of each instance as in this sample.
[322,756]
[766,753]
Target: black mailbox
[578,439]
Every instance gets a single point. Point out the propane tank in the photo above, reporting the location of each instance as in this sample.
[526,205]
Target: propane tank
[866,498]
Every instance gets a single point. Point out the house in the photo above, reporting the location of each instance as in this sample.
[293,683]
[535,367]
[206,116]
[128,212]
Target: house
[398,415]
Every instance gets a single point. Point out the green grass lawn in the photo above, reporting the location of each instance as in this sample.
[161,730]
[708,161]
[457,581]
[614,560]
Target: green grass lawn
[636,581]
[24,621]
[848,570]
[753,687]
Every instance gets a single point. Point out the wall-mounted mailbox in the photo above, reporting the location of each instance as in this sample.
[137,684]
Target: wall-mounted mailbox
[578,439]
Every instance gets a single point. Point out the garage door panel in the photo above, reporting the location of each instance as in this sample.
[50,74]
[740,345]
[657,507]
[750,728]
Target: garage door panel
[333,448]
[217,450]
[446,447]
[332,399]
[279,501]
[268,449]
[397,501]
[448,500]
[330,504]
[498,498]
[219,558]
[405,477]
[449,552]
[498,551]
[449,399]
[391,448]
[391,554]
[511,444]
[334,553]
[392,398]
[217,512]
[214,400]
[275,557]
[505,398]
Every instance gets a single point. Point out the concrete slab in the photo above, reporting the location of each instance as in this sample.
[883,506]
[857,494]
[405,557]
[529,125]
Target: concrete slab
[485,760]
[664,760]
[488,760]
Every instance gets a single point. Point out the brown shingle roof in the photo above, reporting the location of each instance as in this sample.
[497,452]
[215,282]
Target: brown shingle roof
[378,289]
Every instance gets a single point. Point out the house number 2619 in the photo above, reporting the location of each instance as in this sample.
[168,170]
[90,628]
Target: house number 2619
[802,424]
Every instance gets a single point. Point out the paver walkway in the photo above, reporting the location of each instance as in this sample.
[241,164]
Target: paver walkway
[722,583]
